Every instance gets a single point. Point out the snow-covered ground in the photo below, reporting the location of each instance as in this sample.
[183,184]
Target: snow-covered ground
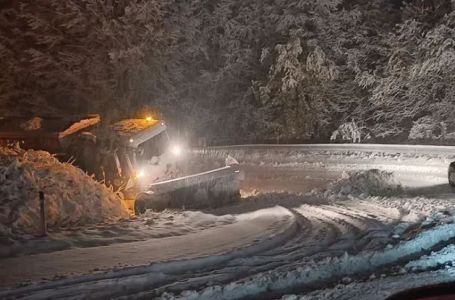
[313,224]
[151,225]
[249,233]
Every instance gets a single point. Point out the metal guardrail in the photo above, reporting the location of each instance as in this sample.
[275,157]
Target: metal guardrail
[191,180]
[389,148]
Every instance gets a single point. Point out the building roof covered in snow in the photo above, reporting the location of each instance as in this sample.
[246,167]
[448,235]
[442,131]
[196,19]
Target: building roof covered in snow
[36,126]
[137,131]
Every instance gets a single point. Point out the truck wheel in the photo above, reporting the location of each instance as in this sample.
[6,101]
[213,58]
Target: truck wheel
[452,174]
[139,207]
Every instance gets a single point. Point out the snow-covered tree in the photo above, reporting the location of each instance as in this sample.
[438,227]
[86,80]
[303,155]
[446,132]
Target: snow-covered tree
[79,56]
[419,75]
[236,70]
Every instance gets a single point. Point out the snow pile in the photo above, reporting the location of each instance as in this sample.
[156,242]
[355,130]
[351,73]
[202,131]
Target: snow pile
[72,197]
[445,256]
[364,183]
[381,288]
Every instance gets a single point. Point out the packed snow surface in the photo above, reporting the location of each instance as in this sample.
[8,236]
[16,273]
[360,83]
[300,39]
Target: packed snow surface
[71,196]
[151,225]
[247,234]
[343,222]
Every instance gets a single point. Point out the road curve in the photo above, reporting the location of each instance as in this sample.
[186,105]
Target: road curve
[321,229]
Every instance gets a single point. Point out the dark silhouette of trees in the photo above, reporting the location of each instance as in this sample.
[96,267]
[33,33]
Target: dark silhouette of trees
[235,70]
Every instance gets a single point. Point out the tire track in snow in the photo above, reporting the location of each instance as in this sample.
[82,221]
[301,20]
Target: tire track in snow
[139,278]
[315,233]
[322,228]
[334,229]
[322,233]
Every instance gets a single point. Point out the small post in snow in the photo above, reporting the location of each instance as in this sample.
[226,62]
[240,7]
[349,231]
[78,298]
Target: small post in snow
[42,214]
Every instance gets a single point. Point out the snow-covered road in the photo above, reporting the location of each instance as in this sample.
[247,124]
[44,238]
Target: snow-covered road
[249,229]
[304,224]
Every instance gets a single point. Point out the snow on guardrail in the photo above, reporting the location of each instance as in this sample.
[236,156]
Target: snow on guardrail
[307,153]
[385,148]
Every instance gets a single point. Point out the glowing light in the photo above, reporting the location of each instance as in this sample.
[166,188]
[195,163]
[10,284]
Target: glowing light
[131,140]
[149,119]
[140,174]
[176,150]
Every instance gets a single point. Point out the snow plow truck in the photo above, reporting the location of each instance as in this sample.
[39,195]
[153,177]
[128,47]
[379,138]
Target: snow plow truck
[451,174]
[135,156]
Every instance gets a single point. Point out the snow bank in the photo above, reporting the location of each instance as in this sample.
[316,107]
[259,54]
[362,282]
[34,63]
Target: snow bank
[443,257]
[379,288]
[72,197]
[369,183]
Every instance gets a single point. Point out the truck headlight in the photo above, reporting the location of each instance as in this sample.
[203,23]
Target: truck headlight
[176,150]
[141,174]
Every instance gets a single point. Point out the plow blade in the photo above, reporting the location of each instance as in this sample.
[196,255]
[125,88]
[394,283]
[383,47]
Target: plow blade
[208,189]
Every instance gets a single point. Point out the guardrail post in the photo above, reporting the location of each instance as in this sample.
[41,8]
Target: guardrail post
[42,206]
